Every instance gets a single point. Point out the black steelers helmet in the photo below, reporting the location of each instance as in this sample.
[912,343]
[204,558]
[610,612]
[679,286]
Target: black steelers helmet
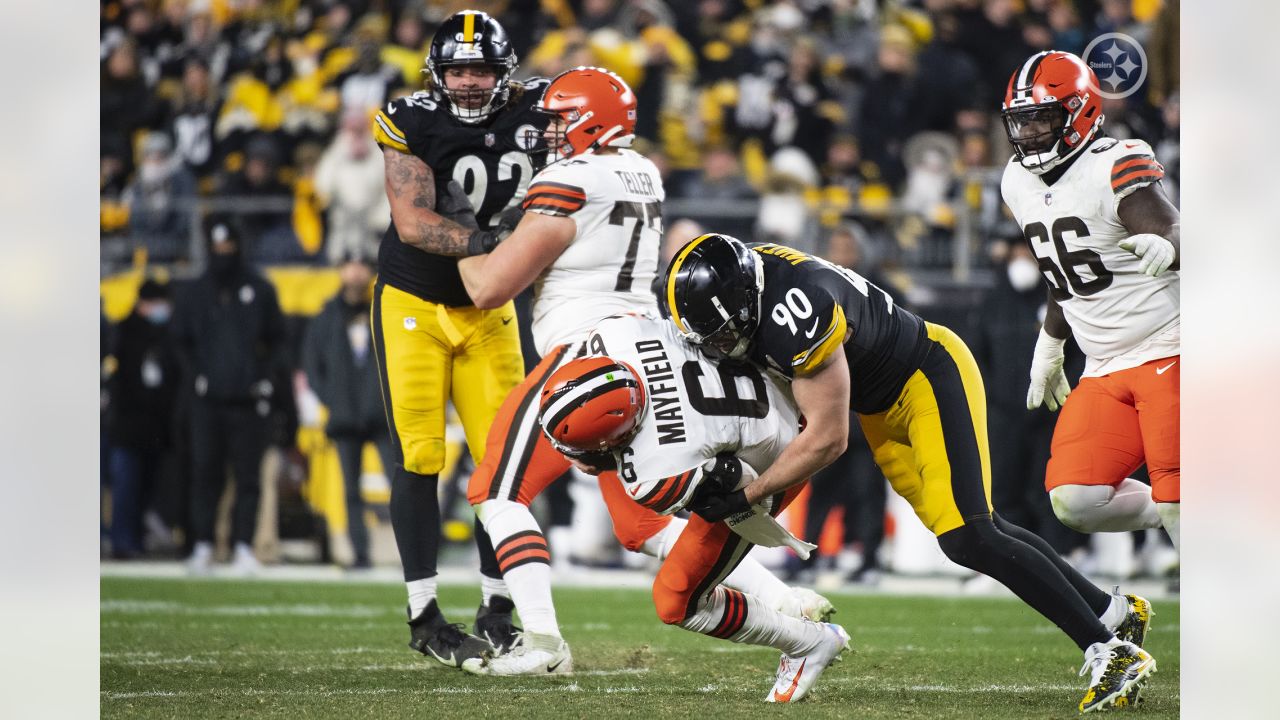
[712,293]
[471,37]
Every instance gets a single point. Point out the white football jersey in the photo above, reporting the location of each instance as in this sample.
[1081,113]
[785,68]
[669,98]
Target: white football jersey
[696,410]
[616,201]
[1120,317]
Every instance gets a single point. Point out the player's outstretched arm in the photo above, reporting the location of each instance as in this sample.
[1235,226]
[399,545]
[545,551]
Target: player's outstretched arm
[1155,225]
[491,280]
[823,400]
[411,190]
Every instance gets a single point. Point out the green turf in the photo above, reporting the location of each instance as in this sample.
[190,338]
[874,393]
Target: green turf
[197,649]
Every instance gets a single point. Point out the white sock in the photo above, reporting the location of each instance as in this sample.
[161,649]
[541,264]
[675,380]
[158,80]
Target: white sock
[525,560]
[1102,508]
[1171,518]
[1116,612]
[730,615]
[749,577]
[492,586]
[420,594]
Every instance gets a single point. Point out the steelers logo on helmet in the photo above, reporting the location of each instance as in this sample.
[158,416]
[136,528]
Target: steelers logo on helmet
[713,289]
[1051,109]
[592,404]
[472,38]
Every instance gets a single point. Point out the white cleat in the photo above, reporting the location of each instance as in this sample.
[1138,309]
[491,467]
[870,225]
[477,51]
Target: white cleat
[245,563]
[533,654]
[797,675]
[201,560]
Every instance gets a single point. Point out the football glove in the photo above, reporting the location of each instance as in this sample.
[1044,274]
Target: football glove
[717,497]
[1157,253]
[1048,382]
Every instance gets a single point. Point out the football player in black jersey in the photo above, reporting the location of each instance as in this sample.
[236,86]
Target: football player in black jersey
[919,398]
[475,125]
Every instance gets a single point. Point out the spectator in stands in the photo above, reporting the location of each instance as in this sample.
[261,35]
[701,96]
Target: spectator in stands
[338,359]
[1004,332]
[265,233]
[784,216]
[127,103]
[229,332]
[141,392]
[350,182]
[367,83]
[1064,22]
[721,182]
[192,119]
[887,115]
[993,38]
[159,200]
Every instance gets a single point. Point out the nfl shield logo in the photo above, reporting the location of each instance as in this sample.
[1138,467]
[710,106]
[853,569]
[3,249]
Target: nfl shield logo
[489,140]
[1048,198]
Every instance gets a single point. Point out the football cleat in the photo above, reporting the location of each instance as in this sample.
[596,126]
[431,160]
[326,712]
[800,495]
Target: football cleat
[1119,672]
[493,624]
[432,636]
[1137,622]
[533,654]
[797,674]
[805,603]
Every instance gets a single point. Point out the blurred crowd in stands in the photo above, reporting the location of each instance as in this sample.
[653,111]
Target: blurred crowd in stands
[867,130]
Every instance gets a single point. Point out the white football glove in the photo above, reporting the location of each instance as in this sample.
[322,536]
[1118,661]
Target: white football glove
[1048,382]
[1156,252]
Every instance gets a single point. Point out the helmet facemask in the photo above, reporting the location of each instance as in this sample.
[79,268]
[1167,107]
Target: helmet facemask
[473,105]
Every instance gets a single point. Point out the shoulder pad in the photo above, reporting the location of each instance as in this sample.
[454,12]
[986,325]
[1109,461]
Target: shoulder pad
[1133,166]
[400,123]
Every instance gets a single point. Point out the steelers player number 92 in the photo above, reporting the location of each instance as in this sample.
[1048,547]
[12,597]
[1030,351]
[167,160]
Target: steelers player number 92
[1046,243]
[471,174]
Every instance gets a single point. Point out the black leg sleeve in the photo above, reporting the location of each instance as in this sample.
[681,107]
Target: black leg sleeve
[488,559]
[1028,573]
[1097,598]
[415,520]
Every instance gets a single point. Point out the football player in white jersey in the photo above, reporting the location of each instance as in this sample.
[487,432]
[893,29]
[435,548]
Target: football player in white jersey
[1107,240]
[672,420]
[589,244]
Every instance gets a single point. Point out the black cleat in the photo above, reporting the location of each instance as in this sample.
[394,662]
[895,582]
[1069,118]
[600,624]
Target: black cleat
[493,623]
[432,636]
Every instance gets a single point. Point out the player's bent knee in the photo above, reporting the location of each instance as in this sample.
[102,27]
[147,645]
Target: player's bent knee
[672,605]
[1074,504]
[971,545]
[424,457]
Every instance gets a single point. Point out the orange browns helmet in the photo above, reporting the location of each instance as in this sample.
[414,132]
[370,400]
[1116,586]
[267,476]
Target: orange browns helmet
[592,404]
[597,106]
[1051,109]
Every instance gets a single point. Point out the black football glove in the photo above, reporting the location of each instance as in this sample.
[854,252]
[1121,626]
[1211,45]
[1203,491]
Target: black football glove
[456,206]
[716,499]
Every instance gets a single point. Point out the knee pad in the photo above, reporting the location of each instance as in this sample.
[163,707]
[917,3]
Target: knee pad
[423,457]
[1073,504]
[671,603]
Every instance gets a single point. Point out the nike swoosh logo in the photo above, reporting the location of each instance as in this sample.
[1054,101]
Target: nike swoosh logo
[391,109]
[813,329]
[795,683]
[506,321]
[552,668]
[1160,371]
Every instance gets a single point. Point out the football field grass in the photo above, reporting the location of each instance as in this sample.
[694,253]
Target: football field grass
[244,649]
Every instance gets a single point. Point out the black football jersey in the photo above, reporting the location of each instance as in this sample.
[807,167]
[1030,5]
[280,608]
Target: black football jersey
[492,161]
[811,308]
